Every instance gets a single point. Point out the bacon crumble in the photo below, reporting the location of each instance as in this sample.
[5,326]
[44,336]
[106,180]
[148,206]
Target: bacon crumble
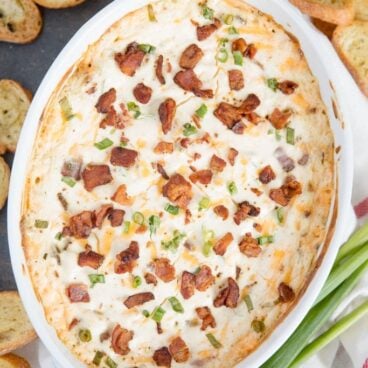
[179,350]
[249,246]
[105,101]
[202,176]
[96,175]
[236,79]
[267,175]
[166,112]
[130,60]
[164,270]
[138,299]
[89,258]
[190,57]
[228,296]
[142,93]
[124,157]
[286,192]
[244,210]
[120,338]
[221,211]
[126,260]
[178,190]
[223,243]
[204,313]
[217,163]
[203,32]
[159,69]
[78,293]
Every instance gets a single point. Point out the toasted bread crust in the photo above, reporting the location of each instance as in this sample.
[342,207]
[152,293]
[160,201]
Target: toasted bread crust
[58,4]
[12,338]
[14,101]
[326,28]
[361,10]
[347,55]
[329,13]
[4,181]
[14,361]
[25,30]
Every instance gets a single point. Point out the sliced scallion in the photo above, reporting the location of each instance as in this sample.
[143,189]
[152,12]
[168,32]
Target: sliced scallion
[189,130]
[41,224]
[66,109]
[207,247]
[272,83]
[228,19]
[158,314]
[258,325]
[173,243]
[110,363]
[290,135]
[238,58]
[98,357]
[105,143]
[126,227]
[154,224]
[138,218]
[132,106]
[137,282]
[266,239]
[151,13]
[85,335]
[176,305]
[232,30]
[248,301]
[207,12]
[96,279]
[204,204]
[202,111]
[68,181]
[146,48]
[213,341]
[277,135]
[173,210]
[280,212]
[232,188]
[59,236]
[222,55]
[146,313]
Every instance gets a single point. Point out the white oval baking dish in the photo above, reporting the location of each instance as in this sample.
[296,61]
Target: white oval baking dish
[334,83]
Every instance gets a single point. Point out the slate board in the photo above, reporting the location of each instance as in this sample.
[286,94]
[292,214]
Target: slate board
[28,64]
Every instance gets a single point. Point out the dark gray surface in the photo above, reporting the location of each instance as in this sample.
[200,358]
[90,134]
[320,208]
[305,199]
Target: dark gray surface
[28,64]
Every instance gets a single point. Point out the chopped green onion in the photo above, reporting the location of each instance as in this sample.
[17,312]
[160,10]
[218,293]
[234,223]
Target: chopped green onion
[98,357]
[138,218]
[280,215]
[272,83]
[96,279]
[173,210]
[154,223]
[277,135]
[204,203]
[270,131]
[59,236]
[231,187]
[214,342]
[228,19]
[223,42]
[85,335]
[146,313]
[147,48]
[202,111]
[207,247]
[248,302]
[132,106]
[66,109]
[105,143]
[137,282]
[222,55]
[123,144]
[176,305]
[290,135]
[342,270]
[68,181]
[258,326]
[208,235]
[232,30]
[238,58]
[41,224]
[189,129]
[332,333]
[110,363]
[151,13]
[207,12]
[313,322]
[158,314]
[262,240]
[126,227]
[174,243]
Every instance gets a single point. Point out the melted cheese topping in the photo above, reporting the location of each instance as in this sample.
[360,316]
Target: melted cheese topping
[291,258]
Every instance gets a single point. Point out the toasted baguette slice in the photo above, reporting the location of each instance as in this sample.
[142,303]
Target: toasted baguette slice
[15,328]
[13,361]
[14,103]
[21,21]
[361,10]
[331,11]
[4,186]
[326,28]
[351,43]
[57,4]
